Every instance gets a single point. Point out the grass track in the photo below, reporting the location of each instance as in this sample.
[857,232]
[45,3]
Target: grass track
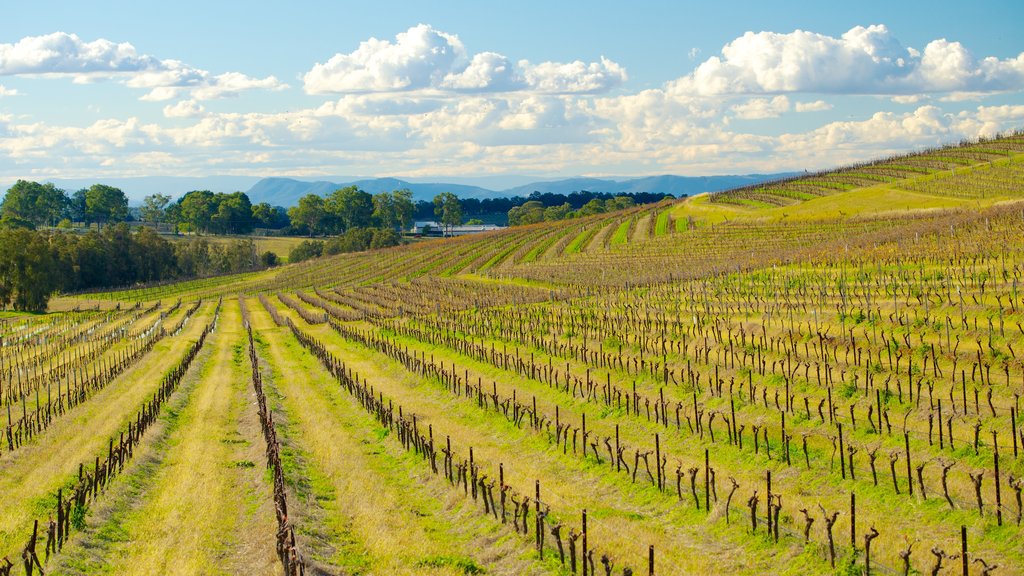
[398,518]
[30,476]
[208,508]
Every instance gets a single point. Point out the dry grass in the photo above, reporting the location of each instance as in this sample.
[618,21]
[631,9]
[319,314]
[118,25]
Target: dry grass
[31,475]
[403,520]
[208,508]
[625,518]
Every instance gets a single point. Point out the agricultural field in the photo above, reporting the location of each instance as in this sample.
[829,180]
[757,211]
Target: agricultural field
[762,381]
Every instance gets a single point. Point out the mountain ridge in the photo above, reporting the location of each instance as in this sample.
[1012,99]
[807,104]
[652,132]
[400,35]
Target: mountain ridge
[286,191]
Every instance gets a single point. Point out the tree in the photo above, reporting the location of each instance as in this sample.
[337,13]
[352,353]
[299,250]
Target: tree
[305,250]
[76,211]
[560,212]
[266,216]
[448,210]
[106,204]
[529,213]
[352,207]
[195,209]
[154,206]
[595,206]
[309,214]
[28,270]
[384,210]
[233,214]
[404,208]
[619,203]
[34,202]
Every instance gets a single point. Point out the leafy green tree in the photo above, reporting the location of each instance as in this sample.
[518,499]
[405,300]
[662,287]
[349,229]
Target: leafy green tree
[305,250]
[34,202]
[106,204]
[384,238]
[266,216]
[394,209]
[529,213]
[310,214]
[448,210]
[195,209]
[233,214]
[352,207]
[595,206]
[76,211]
[154,207]
[28,270]
[560,212]
[404,207]
[384,210]
[619,203]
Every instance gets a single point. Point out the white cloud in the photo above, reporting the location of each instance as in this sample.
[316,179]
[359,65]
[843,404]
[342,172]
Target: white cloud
[909,98]
[487,71]
[761,108]
[864,60]
[575,77]
[425,59]
[66,55]
[5,91]
[816,106]
[184,109]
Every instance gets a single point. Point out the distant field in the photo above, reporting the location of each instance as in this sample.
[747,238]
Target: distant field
[280,245]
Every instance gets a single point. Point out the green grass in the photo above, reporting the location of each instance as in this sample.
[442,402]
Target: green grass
[621,234]
[661,225]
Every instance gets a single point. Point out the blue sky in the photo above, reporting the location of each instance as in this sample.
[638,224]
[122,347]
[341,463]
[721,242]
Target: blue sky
[472,89]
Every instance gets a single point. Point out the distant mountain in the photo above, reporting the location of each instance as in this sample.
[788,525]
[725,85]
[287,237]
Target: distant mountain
[287,191]
[421,190]
[667,184]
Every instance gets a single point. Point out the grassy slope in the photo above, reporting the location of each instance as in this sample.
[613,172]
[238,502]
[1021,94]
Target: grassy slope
[872,200]
[207,507]
[626,517]
[394,516]
[30,475]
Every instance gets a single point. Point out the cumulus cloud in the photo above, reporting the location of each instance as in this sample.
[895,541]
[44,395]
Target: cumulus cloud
[816,106]
[66,55]
[184,109]
[761,108]
[5,91]
[864,60]
[425,59]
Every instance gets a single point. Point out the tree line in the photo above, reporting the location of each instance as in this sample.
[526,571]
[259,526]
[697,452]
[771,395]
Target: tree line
[550,207]
[36,264]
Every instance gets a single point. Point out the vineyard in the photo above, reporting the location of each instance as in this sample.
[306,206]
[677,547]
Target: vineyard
[639,392]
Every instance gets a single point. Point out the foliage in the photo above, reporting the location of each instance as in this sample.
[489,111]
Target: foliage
[306,250]
[28,272]
[154,206]
[105,204]
[34,265]
[33,202]
[447,209]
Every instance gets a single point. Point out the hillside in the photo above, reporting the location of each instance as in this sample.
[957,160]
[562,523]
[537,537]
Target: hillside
[752,382]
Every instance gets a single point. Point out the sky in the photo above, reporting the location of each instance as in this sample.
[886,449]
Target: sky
[480,90]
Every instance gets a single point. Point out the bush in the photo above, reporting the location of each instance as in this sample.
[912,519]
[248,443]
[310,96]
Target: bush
[269,259]
[305,250]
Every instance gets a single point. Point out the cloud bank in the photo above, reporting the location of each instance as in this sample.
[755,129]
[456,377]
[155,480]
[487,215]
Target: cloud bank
[66,55]
[864,60]
[425,59]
